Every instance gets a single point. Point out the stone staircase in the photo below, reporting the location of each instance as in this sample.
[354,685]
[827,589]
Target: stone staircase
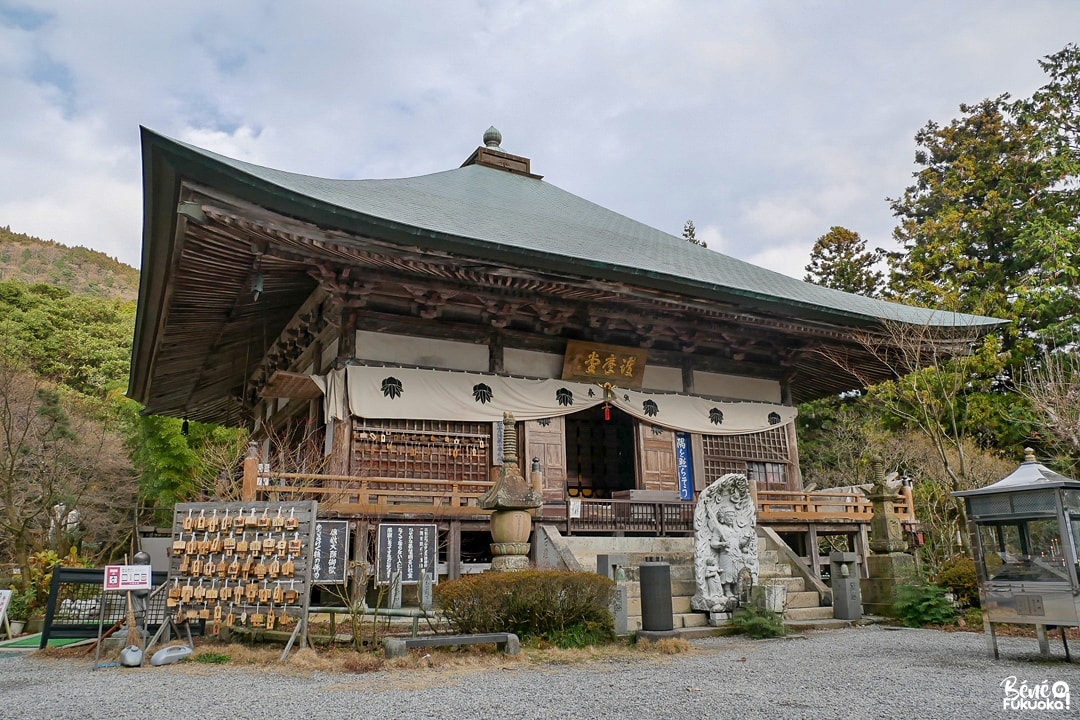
[797,603]
[789,591]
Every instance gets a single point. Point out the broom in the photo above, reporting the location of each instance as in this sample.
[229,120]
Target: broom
[134,637]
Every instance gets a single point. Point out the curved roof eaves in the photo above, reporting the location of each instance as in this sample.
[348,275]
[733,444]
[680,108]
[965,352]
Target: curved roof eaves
[498,208]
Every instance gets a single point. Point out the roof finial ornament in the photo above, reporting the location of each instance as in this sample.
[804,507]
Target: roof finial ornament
[1029,455]
[493,138]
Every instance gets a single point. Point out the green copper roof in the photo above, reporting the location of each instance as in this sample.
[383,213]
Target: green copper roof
[497,214]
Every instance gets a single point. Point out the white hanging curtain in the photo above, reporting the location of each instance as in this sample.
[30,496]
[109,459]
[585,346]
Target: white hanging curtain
[409,393]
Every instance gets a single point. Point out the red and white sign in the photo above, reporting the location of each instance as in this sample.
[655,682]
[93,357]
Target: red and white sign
[128,577]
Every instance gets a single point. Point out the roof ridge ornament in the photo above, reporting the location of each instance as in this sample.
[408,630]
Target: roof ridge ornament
[493,156]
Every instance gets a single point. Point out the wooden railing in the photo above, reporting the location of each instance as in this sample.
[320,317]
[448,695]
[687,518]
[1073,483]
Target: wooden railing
[824,507]
[375,496]
[381,496]
[677,517]
[659,518]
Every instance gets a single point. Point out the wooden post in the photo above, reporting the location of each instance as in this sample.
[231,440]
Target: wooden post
[453,551]
[251,473]
[361,568]
[812,550]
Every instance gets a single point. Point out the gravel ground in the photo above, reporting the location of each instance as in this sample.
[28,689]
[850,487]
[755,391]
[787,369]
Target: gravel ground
[858,673]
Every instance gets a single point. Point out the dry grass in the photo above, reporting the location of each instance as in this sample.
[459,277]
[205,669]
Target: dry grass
[666,646]
[441,664]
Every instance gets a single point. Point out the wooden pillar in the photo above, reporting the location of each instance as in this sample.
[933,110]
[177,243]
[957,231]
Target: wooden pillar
[453,550]
[362,567]
[251,473]
[496,362]
[862,546]
[688,373]
[347,338]
[793,474]
[812,550]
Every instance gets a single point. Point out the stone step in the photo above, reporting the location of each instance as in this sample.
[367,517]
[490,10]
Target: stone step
[679,604]
[808,598]
[793,584]
[802,614]
[690,620]
[683,587]
[682,572]
[774,570]
[768,557]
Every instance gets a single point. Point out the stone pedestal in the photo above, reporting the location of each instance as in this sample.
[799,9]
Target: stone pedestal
[507,563]
[620,604]
[887,572]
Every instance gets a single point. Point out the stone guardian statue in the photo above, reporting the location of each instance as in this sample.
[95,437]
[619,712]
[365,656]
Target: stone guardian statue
[725,543]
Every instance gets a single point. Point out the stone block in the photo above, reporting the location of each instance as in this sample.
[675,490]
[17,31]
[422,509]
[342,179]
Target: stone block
[808,598]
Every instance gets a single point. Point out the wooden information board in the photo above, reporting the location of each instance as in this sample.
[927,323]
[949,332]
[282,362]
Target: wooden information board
[330,552]
[407,548]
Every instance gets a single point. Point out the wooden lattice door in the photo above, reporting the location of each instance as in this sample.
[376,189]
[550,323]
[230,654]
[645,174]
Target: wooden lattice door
[546,440]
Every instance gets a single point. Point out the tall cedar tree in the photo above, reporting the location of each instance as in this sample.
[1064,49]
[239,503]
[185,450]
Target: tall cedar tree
[990,224]
[841,261]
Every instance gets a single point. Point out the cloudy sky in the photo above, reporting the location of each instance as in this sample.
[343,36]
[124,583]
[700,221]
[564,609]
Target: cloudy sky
[766,122]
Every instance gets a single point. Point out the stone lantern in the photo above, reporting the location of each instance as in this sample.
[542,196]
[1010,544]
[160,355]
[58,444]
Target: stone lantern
[889,564]
[511,498]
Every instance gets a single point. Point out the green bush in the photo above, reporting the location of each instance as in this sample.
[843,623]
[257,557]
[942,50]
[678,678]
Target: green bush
[568,609]
[919,604]
[757,622]
[959,577]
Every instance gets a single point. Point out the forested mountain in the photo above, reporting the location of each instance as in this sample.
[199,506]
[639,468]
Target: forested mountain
[69,439]
[76,269]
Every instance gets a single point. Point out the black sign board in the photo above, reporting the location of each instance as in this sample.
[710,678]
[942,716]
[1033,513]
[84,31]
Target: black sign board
[330,552]
[408,549]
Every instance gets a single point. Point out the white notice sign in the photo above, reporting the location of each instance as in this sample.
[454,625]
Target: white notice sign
[128,577]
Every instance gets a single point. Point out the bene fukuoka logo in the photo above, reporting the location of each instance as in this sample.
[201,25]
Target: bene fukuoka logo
[1045,695]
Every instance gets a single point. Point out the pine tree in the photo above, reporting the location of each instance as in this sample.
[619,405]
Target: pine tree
[690,233]
[841,261]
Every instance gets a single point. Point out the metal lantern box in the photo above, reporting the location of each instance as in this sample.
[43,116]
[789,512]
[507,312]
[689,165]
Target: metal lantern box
[1025,534]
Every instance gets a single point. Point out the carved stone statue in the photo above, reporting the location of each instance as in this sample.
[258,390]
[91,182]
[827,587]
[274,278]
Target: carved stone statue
[725,543]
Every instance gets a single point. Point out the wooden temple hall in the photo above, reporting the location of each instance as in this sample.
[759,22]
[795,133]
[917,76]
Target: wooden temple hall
[373,333]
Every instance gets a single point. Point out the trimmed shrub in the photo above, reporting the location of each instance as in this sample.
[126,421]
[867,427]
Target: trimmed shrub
[567,609]
[921,604]
[960,578]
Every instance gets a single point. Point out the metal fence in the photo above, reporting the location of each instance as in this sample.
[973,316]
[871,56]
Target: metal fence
[78,605]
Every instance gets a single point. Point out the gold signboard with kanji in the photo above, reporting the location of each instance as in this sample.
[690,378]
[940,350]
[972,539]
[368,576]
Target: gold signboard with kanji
[592,362]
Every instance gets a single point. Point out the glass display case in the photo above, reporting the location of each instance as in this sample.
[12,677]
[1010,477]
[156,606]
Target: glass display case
[1025,531]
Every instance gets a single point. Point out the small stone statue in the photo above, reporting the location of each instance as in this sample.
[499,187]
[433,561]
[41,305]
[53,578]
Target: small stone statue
[725,543]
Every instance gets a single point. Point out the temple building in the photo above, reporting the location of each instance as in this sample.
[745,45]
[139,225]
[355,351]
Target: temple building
[373,334]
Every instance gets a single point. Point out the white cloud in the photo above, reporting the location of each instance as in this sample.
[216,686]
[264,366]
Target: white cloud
[772,121]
